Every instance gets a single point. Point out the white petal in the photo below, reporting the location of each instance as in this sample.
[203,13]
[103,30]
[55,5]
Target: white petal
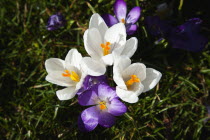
[108,59]
[152,78]
[54,64]
[140,89]
[80,83]
[116,35]
[93,67]
[73,58]
[97,21]
[66,93]
[127,96]
[138,69]
[119,80]
[92,42]
[121,64]
[130,47]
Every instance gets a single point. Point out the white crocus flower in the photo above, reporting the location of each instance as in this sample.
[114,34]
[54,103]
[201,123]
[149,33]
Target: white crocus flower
[66,73]
[133,79]
[130,47]
[105,44]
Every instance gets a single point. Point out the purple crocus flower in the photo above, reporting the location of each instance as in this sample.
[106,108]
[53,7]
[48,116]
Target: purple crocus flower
[105,105]
[157,27]
[187,36]
[55,21]
[90,81]
[120,10]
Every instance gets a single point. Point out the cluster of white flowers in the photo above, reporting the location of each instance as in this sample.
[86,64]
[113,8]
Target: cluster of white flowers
[106,47]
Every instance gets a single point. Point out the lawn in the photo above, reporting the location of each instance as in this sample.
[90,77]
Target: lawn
[30,109]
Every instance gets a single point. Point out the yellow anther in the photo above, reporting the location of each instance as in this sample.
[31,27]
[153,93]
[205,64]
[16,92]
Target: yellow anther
[73,75]
[102,105]
[106,48]
[134,79]
[123,20]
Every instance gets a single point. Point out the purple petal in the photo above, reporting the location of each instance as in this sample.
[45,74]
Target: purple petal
[109,19]
[88,97]
[88,119]
[117,108]
[55,21]
[90,81]
[106,92]
[133,15]
[131,28]
[106,119]
[120,9]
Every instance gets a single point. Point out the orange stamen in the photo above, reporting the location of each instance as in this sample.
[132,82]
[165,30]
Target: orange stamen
[73,75]
[134,79]
[102,105]
[123,20]
[106,48]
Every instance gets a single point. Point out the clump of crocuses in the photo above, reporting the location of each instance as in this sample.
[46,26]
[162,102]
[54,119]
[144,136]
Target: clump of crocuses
[84,76]
[186,36]
[56,21]
[120,10]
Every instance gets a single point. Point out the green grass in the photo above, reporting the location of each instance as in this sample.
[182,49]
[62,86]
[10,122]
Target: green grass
[29,108]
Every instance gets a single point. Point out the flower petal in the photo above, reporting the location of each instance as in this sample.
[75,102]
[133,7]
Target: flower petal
[116,35]
[119,66]
[109,19]
[73,58]
[106,92]
[92,42]
[117,108]
[108,59]
[131,29]
[120,9]
[127,96]
[54,64]
[138,69]
[66,93]
[133,15]
[130,47]
[89,119]
[152,78]
[88,97]
[93,67]
[96,21]
[106,119]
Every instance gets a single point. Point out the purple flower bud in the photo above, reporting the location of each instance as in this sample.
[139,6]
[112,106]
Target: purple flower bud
[55,21]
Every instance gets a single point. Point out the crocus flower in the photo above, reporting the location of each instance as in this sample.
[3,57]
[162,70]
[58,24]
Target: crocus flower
[133,79]
[66,73]
[120,10]
[105,44]
[188,37]
[90,81]
[157,27]
[55,21]
[101,43]
[105,105]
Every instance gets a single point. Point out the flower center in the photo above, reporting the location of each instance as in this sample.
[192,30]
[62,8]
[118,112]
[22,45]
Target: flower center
[134,79]
[102,105]
[106,48]
[73,75]
[123,20]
